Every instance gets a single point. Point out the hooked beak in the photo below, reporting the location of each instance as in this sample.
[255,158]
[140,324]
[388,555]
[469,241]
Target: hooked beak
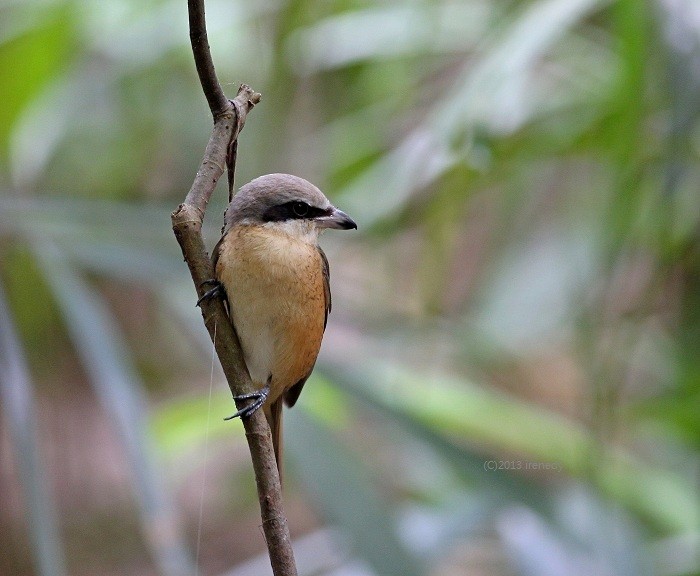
[336,219]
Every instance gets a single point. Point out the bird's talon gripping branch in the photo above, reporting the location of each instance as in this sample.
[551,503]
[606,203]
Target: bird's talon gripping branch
[217,290]
[259,397]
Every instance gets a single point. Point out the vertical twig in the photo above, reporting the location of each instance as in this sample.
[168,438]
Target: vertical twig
[229,118]
[218,102]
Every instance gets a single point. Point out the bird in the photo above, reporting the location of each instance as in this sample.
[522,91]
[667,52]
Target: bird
[275,279]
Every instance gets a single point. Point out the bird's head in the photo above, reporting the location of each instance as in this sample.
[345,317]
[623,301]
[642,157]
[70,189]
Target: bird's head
[287,203]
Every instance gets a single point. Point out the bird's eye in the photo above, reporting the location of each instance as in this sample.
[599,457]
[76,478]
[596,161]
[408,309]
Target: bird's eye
[300,209]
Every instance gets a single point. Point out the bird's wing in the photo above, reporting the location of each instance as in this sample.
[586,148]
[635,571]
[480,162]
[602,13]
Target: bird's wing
[214,260]
[216,250]
[326,284]
[292,394]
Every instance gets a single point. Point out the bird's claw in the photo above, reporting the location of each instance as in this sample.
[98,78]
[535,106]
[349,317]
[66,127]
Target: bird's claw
[217,290]
[259,397]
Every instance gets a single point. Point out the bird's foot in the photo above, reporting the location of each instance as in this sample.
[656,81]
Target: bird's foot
[217,290]
[259,398]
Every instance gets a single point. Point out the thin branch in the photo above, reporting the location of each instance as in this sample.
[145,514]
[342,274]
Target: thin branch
[202,58]
[187,225]
[229,118]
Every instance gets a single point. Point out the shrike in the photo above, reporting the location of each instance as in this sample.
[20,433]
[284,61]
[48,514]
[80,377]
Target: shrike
[276,280]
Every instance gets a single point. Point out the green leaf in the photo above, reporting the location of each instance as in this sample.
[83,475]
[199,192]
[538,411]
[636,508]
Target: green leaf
[182,426]
[32,52]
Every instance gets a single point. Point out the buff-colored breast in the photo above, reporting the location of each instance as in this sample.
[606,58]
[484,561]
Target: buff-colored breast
[274,284]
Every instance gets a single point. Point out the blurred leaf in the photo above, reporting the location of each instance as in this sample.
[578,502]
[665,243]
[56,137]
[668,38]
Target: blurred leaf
[534,288]
[339,481]
[493,97]
[74,220]
[387,31]
[106,360]
[325,402]
[19,407]
[33,50]
[34,310]
[462,412]
[540,548]
[182,426]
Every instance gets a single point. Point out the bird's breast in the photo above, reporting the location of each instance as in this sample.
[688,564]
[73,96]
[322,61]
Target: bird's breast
[274,285]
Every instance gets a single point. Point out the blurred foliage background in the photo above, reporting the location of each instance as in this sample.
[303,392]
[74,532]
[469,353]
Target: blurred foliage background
[510,380]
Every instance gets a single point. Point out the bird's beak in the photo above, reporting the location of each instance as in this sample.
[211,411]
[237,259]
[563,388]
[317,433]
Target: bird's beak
[336,219]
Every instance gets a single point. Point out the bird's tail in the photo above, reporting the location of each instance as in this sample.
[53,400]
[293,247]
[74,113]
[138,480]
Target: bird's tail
[274,419]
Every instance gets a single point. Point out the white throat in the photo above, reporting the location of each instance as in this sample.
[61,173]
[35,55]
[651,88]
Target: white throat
[302,230]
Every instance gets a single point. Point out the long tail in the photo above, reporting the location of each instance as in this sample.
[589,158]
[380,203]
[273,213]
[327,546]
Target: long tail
[274,419]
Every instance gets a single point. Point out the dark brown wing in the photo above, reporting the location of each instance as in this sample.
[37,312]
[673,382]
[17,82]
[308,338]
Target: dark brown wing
[214,260]
[292,395]
[326,284]
[215,252]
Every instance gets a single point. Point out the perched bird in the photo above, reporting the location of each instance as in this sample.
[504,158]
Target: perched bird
[276,280]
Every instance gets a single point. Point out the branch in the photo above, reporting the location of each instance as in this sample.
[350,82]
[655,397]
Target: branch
[229,118]
[202,58]
[187,225]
